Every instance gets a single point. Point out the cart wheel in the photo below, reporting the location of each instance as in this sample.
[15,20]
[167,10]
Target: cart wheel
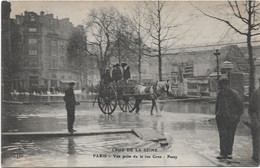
[107,101]
[127,103]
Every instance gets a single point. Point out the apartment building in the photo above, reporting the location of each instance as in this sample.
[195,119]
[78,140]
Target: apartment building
[44,51]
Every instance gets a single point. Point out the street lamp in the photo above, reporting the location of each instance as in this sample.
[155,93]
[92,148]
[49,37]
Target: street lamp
[217,53]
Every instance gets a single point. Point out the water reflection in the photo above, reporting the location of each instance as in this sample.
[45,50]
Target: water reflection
[158,124]
[203,107]
[71,145]
[71,151]
[106,119]
[120,120]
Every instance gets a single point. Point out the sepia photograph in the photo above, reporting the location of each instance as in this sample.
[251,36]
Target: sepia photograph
[130,83]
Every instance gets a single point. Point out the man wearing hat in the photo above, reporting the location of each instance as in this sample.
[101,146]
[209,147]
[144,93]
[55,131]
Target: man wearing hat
[126,71]
[70,101]
[229,108]
[254,113]
[118,73]
[114,73]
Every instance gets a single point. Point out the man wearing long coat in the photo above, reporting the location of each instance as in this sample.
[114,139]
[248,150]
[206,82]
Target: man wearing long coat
[254,112]
[70,101]
[229,108]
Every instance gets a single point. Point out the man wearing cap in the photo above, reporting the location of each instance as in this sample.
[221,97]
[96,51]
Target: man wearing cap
[254,113]
[229,108]
[70,101]
[106,78]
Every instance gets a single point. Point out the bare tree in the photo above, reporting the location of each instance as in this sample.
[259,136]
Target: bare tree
[99,32]
[76,51]
[160,22]
[122,34]
[139,22]
[248,13]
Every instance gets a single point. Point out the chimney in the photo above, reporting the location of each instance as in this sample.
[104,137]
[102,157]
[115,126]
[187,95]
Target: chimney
[42,13]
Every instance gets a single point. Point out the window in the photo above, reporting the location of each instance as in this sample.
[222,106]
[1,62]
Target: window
[54,64]
[26,61]
[32,41]
[32,18]
[33,61]
[53,43]
[62,63]
[51,22]
[61,43]
[51,31]
[53,52]
[53,75]
[32,52]
[32,29]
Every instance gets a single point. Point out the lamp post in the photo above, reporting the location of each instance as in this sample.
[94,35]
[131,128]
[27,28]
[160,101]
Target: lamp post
[217,53]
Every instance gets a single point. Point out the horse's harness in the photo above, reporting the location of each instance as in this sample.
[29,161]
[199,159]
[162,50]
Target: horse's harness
[155,86]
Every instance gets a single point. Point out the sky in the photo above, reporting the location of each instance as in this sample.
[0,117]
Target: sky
[195,30]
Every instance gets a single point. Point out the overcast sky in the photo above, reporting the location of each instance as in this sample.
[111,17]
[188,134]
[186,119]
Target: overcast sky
[201,30]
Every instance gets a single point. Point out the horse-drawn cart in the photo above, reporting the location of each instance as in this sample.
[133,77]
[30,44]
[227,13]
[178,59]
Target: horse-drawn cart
[121,93]
[128,95]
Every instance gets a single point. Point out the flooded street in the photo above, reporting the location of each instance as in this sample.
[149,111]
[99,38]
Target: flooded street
[190,124]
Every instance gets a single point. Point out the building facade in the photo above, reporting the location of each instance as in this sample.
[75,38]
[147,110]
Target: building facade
[44,51]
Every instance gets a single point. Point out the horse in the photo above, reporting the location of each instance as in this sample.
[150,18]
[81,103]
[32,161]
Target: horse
[151,92]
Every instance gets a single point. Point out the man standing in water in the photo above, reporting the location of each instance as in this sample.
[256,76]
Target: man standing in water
[70,101]
[254,112]
[229,108]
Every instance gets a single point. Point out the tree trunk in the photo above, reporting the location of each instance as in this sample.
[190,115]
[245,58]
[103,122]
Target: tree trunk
[139,67]
[250,52]
[160,64]
[80,75]
[139,57]
[159,43]
[119,51]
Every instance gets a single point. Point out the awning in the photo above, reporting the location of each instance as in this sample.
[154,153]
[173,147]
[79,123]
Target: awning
[68,81]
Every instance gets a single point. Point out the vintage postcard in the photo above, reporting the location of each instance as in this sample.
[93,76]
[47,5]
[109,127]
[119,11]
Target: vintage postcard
[130,83]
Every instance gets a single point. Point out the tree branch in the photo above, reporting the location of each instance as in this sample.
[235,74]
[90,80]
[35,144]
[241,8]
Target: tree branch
[225,21]
[238,11]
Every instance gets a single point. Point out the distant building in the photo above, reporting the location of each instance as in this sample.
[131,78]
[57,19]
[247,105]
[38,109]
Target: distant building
[44,51]
[193,67]
[197,62]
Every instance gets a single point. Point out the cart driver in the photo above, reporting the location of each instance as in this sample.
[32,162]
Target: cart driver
[106,78]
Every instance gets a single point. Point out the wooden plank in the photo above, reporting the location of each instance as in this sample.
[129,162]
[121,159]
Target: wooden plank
[61,134]
[149,134]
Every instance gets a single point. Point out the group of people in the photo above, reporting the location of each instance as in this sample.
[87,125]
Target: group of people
[119,72]
[229,108]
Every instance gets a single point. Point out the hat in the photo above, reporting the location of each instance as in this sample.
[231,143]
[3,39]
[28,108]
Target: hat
[123,64]
[224,81]
[72,83]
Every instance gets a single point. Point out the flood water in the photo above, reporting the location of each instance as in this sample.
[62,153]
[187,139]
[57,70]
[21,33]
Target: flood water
[181,121]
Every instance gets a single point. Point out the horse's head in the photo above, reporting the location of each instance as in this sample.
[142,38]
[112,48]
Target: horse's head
[168,86]
[164,87]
